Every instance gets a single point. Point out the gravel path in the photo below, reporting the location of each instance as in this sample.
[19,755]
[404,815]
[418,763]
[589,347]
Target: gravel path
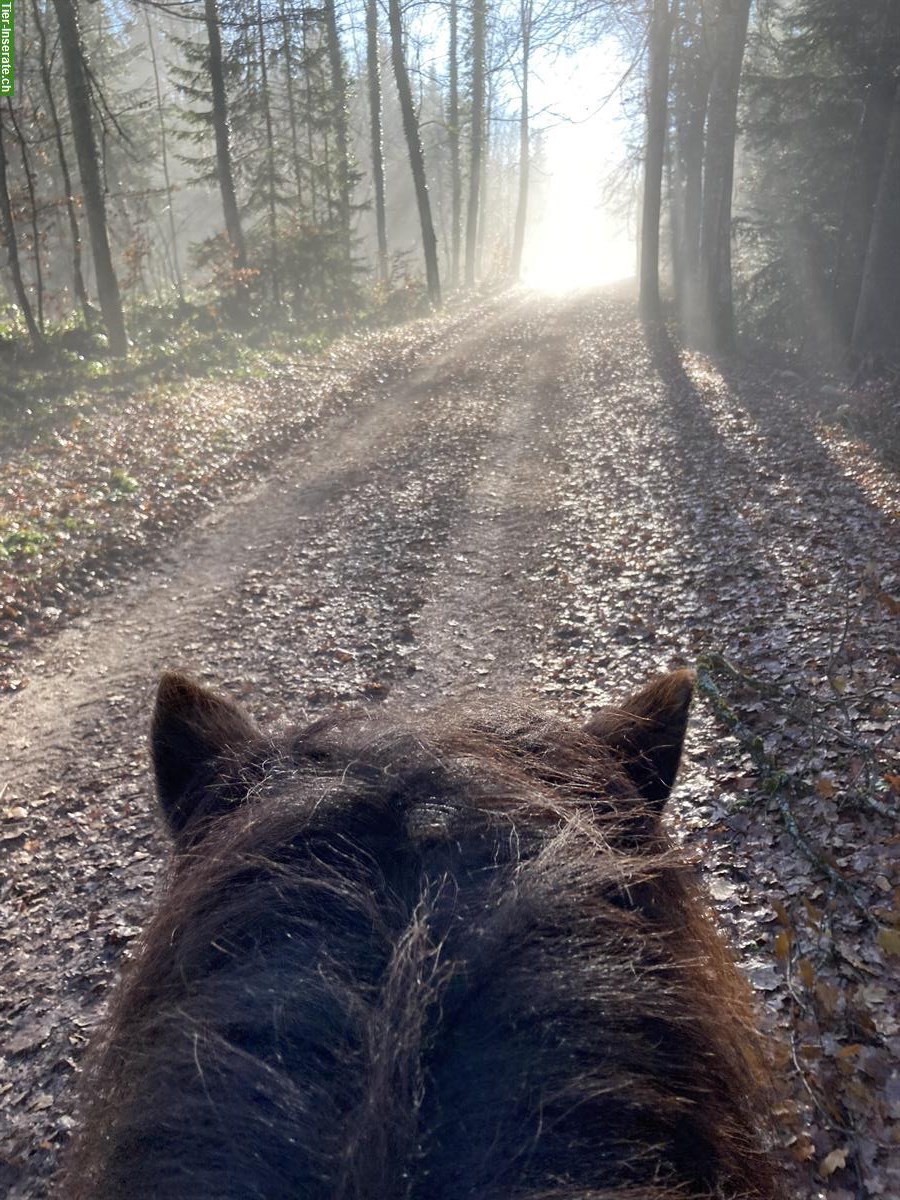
[548,506]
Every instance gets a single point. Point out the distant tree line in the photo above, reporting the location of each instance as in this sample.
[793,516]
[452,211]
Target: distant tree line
[772,173]
[276,154]
[265,151]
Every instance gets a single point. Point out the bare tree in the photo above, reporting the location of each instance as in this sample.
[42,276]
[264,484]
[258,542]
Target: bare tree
[691,71]
[718,173]
[526,18]
[33,212]
[12,250]
[479,21]
[224,169]
[78,91]
[416,153]
[271,181]
[78,284]
[293,121]
[453,132]
[164,152]
[339,88]
[373,71]
[660,37]
[878,311]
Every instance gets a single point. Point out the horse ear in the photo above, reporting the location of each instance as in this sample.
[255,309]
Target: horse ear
[194,734]
[646,733]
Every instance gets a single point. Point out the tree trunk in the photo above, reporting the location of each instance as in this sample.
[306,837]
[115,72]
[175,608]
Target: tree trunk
[74,230]
[453,134]
[657,113]
[176,265]
[373,70]
[690,87]
[718,175]
[310,138]
[525,9]
[484,190]
[224,169]
[877,322]
[339,87]
[864,167]
[270,157]
[291,101]
[33,206]
[12,250]
[78,91]
[479,18]
[416,154]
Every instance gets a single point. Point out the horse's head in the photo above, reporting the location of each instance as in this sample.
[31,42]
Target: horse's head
[452,956]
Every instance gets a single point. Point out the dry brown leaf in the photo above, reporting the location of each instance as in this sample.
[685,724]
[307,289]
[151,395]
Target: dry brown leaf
[849,1051]
[835,1161]
[814,914]
[889,940]
[783,943]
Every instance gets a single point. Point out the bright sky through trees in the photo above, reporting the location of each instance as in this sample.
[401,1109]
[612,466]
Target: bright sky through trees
[579,238]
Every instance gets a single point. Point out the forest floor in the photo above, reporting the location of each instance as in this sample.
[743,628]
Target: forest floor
[526,496]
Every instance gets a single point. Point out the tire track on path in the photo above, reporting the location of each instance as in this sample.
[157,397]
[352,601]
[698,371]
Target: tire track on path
[235,600]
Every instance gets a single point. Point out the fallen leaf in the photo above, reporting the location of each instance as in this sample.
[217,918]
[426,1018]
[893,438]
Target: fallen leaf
[835,1161]
[889,940]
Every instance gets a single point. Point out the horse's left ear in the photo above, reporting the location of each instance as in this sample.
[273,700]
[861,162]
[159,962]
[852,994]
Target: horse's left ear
[196,736]
[646,733]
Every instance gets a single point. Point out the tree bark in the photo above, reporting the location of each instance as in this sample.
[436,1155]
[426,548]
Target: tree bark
[271,181]
[484,190]
[291,100]
[224,169]
[453,135]
[339,87]
[305,18]
[690,88]
[718,175]
[78,91]
[416,154]
[876,328]
[657,112]
[176,265]
[479,19]
[33,207]
[12,251]
[373,70]
[74,230]
[525,10]
[864,167]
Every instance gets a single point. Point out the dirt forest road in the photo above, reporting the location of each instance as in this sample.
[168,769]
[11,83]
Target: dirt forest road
[547,506]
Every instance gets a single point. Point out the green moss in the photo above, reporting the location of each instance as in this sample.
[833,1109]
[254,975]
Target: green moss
[119,481]
[21,541]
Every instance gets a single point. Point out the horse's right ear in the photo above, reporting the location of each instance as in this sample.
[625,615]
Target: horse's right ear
[646,734]
[194,736]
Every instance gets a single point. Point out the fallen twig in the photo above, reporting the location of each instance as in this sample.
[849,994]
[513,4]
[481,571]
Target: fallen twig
[774,781]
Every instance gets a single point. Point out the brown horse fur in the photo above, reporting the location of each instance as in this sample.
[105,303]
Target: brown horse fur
[455,958]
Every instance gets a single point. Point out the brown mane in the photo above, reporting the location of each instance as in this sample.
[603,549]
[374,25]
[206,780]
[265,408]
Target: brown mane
[456,958]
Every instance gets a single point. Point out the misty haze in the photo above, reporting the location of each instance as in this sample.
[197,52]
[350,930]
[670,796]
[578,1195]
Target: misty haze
[449,596]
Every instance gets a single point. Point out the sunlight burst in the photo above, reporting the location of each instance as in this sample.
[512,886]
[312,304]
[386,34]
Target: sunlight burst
[579,236]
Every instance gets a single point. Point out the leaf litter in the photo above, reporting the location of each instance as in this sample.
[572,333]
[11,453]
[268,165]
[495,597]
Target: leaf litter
[553,505]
